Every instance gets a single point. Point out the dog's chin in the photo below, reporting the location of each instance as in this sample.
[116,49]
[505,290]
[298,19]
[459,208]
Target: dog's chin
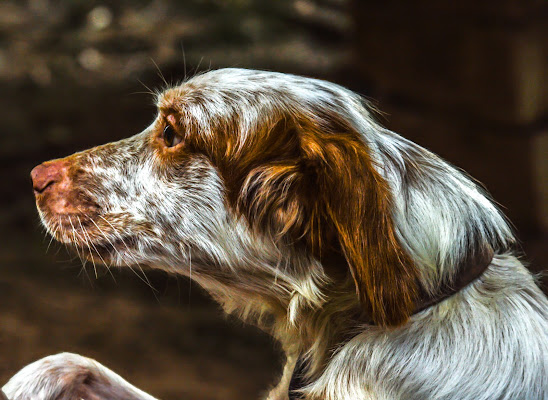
[94,253]
[109,253]
[82,235]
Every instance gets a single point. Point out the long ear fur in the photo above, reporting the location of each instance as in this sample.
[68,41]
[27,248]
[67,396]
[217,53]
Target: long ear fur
[331,190]
[358,202]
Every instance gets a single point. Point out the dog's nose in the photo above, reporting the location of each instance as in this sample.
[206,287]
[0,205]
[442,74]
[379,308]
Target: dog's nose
[47,174]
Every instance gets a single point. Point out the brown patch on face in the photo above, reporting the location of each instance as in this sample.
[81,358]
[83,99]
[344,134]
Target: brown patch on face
[170,123]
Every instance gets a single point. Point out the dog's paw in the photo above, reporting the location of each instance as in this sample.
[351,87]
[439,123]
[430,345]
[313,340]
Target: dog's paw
[68,376]
[60,377]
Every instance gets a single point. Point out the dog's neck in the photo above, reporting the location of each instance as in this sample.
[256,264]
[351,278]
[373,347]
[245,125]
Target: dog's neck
[466,274]
[316,330]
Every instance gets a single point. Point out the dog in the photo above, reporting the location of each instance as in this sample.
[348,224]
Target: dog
[383,271]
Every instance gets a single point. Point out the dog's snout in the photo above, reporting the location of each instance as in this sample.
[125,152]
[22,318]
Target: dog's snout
[47,174]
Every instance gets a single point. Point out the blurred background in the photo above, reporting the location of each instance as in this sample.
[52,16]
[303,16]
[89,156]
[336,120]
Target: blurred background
[468,80]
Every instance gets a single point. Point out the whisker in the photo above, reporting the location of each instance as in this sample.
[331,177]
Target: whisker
[189,274]
[81,257]
[160,75]
[198,66]
[54,232]
[150,91]
[120,237]
[186,249]
[88,242]
[75,241]
[104,236]
[184,60]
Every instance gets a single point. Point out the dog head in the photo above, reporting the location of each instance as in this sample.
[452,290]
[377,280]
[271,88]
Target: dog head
[247,177]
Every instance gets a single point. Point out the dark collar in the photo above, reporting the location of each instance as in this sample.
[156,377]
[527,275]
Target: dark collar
[467,273]
[470,270]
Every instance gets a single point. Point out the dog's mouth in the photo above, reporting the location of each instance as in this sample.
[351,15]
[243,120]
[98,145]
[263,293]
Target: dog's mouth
[80,220]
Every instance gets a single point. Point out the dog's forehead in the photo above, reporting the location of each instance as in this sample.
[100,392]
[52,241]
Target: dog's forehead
[173,99]
[230,84]
[170,99]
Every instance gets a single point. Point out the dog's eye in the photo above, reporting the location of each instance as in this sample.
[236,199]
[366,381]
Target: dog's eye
[171,138]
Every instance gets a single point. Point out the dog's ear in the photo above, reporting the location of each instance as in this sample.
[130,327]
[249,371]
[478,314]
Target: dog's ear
[326,189]
[358,204]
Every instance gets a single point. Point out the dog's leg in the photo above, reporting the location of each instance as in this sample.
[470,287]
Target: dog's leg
[68,376]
